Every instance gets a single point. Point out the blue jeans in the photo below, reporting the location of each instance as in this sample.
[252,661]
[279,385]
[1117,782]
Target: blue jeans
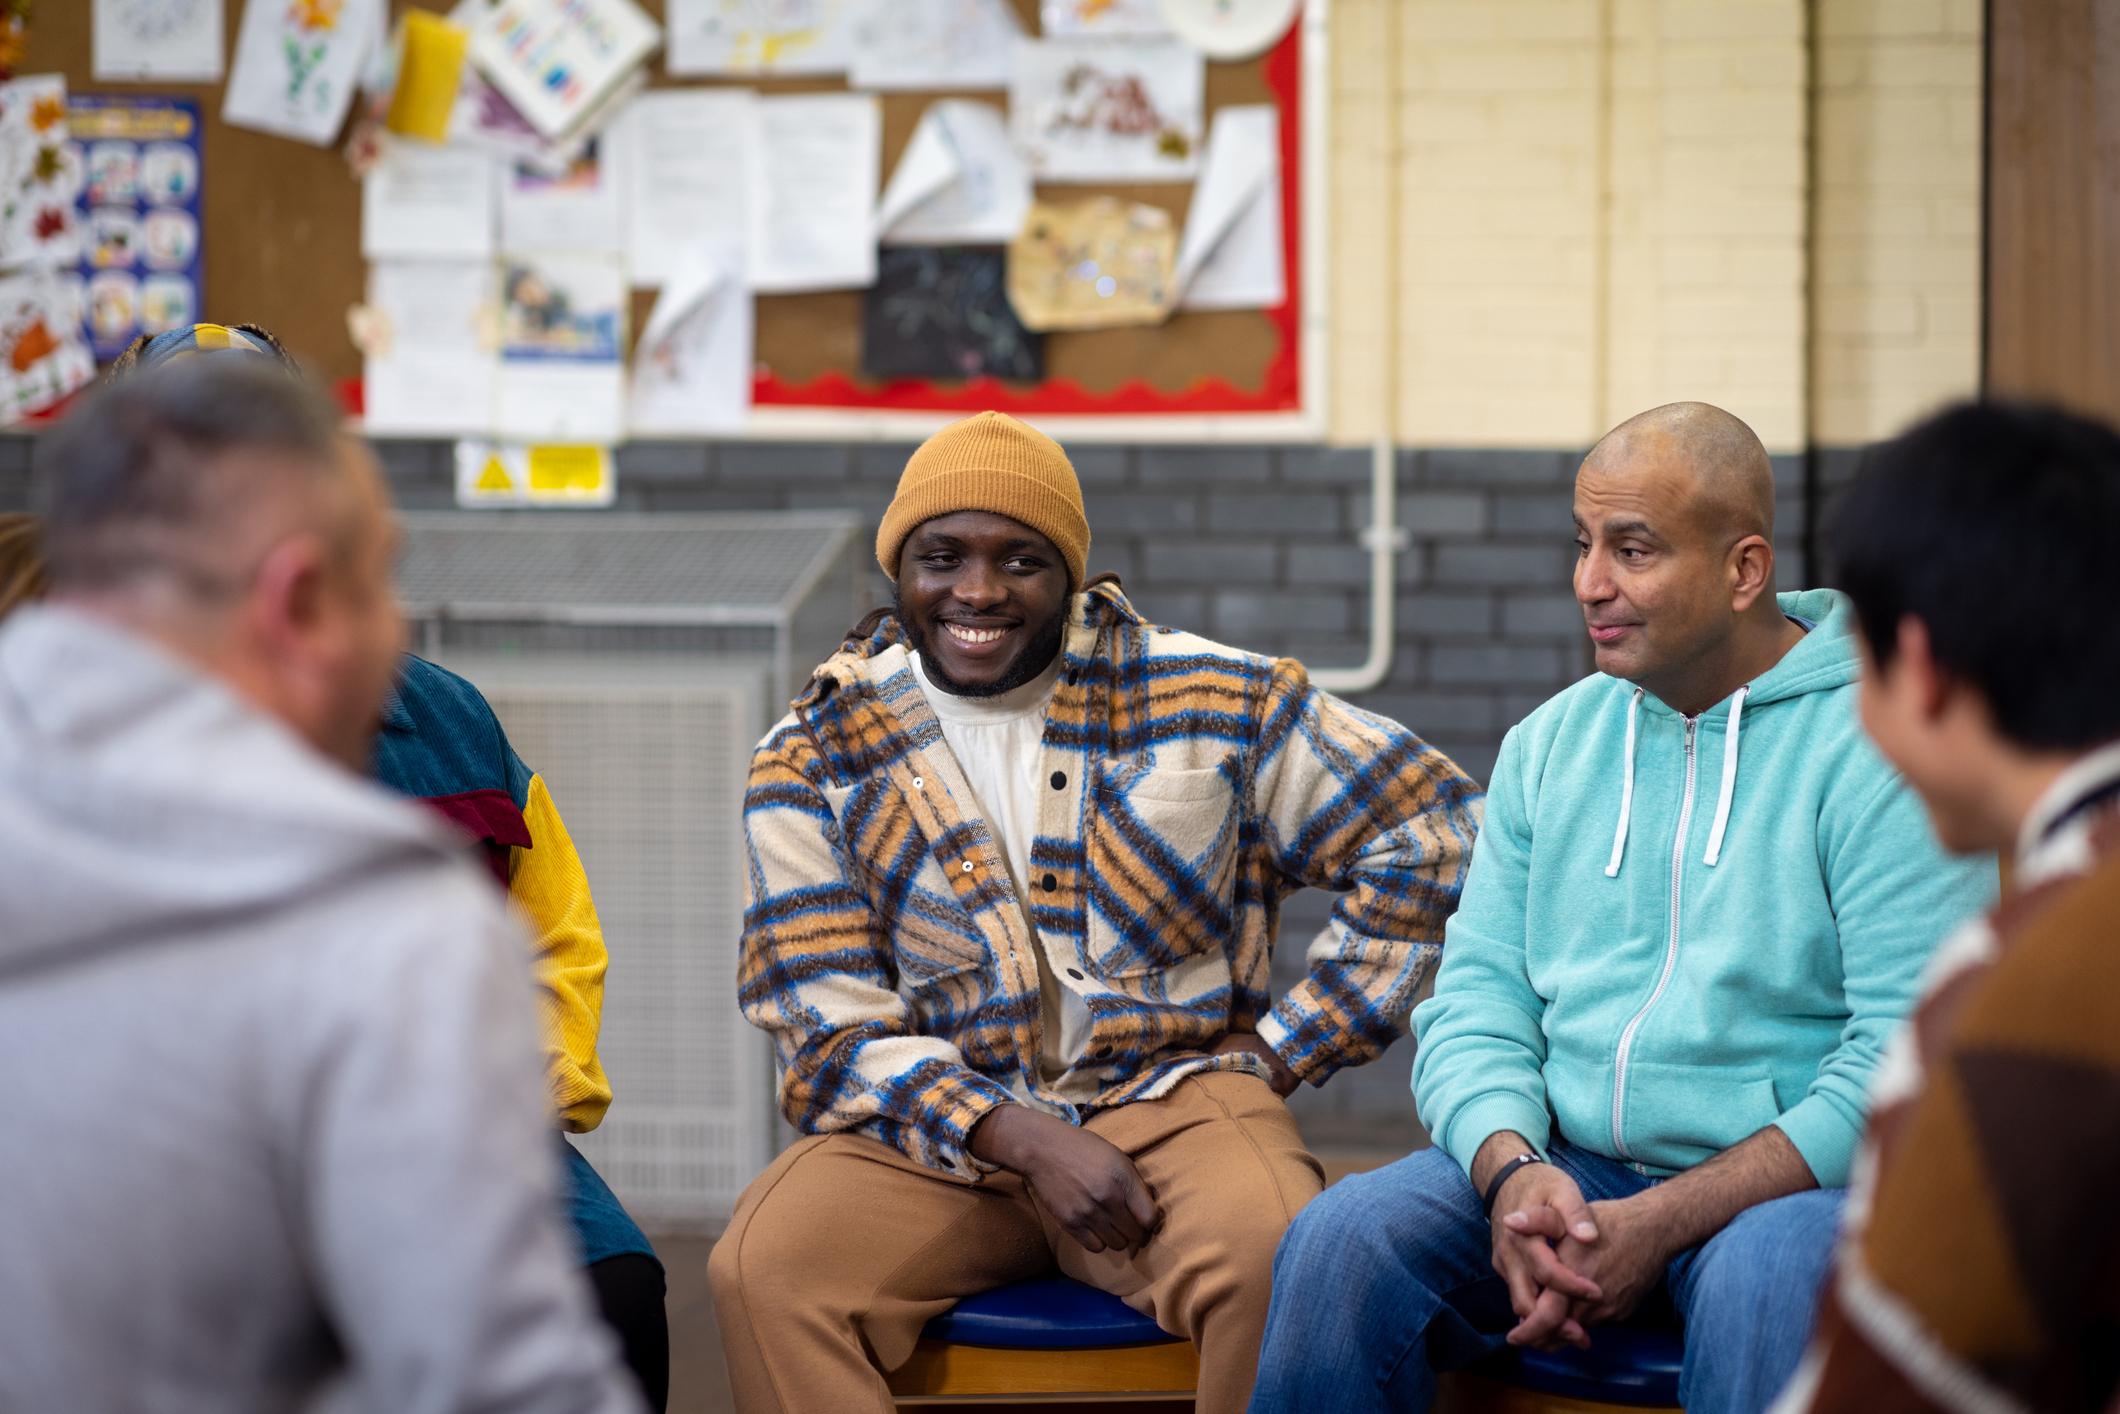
[1386,1278]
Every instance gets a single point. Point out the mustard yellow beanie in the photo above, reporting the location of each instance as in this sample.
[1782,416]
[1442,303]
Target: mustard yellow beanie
[989,462]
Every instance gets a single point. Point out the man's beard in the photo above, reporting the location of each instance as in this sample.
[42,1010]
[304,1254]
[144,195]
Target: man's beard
[1037,655]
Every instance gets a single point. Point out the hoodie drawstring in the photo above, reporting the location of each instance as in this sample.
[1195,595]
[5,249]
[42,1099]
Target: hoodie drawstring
[1729,779]
[1626,791]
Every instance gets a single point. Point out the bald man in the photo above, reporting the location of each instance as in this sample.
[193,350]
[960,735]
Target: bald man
[1699,906]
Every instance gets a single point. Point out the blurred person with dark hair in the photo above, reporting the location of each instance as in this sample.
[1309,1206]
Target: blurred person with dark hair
[1976,1269]
[286,1133]
[442,744]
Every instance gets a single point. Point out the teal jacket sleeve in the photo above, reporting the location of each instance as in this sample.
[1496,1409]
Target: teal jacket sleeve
[1480,1050]
[1896,895]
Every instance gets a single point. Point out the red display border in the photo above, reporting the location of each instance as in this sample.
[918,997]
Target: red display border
[1279,391]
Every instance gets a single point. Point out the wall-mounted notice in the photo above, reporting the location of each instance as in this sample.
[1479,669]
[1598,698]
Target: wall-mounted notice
[1105,110]
[685,157]
[42,354]
[763,37]
[298,63]
[556,60]
[939,44]
[563,348]
[813,193]
[40,176]
[177,40]
[143,257]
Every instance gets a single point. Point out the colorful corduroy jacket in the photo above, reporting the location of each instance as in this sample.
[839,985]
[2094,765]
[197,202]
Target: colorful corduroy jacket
[440,742]
[1194,787]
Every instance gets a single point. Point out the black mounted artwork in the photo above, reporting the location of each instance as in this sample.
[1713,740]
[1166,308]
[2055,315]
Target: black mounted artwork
[943,312]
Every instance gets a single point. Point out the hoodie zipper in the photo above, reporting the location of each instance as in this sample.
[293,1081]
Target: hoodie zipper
[1678,865]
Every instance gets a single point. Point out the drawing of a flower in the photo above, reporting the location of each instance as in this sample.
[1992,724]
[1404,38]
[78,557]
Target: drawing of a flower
[47,113]
[51,222]
[50,163]
[315,14]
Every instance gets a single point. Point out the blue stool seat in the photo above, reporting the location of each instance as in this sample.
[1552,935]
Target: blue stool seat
[1633,1363]
[1051,1313]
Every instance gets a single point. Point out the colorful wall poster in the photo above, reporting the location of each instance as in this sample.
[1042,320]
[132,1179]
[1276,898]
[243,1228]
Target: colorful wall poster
[142,259]
[40,175]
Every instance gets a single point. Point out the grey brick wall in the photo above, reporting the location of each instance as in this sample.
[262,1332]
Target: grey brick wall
[1255,546]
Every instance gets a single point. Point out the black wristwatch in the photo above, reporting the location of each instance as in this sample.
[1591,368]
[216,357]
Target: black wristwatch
[1501,1176]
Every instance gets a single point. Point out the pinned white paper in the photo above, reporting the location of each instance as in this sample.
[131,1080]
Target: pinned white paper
[297,67]
[685,157]
[158,39]
[813,192]
[763,37]
[692,367]
[1105,17]
[947,44]
[562,349]
[432,366]
[1231,256]
[579,208]
[1108,110]
[420,201]
[1230,30]
[960,181]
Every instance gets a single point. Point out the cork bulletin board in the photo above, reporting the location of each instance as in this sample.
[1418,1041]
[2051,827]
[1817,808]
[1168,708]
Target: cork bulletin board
[282,249]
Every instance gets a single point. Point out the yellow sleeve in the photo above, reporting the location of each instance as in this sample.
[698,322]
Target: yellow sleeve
[548,884]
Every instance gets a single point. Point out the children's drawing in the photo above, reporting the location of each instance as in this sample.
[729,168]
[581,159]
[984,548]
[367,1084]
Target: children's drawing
[760,36]
[1129,17]
[158,39]
[943,312]
[40,175]
[1090,110]
[42,356]
[297,65]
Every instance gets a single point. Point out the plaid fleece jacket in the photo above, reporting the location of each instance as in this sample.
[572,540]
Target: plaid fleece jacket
[1193,788]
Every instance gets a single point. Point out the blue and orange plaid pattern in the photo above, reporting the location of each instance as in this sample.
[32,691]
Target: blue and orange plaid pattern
[1193,788]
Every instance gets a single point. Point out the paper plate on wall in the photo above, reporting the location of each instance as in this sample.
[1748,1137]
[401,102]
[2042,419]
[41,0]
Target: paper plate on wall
[1230,29]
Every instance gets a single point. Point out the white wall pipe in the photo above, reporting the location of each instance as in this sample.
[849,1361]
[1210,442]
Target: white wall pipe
[1384,537]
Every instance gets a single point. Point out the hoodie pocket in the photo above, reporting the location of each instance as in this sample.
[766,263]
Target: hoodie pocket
[1161,849]
[1676,1116]
[931,934]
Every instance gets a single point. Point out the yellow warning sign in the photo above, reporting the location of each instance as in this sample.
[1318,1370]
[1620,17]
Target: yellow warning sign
[495,477]
[573,472]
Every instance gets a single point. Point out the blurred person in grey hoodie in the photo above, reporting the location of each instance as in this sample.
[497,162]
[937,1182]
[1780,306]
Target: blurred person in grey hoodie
[279,1127]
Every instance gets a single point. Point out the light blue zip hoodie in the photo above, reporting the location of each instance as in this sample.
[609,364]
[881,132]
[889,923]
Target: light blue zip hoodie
[1679,931]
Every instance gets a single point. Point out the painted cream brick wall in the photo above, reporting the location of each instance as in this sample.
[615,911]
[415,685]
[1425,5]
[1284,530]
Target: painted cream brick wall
[1498,205]
[1606,204]
[1895,223]
[1706,115]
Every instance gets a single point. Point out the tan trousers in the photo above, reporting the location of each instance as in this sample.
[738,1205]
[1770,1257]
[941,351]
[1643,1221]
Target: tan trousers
[843,1249]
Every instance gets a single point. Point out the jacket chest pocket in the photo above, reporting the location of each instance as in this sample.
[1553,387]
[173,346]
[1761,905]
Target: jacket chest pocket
[931,934]
[1161,850]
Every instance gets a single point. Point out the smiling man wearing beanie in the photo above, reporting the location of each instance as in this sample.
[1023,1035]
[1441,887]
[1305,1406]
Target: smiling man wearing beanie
[1015,863]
